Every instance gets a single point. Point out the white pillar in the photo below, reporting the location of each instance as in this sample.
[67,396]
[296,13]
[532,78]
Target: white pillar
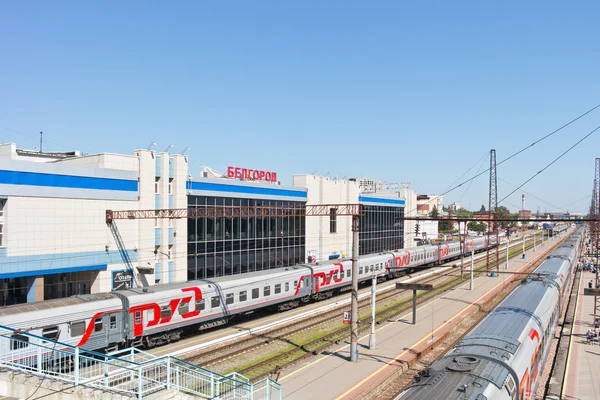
[472,267]
[373,293]
[507,246]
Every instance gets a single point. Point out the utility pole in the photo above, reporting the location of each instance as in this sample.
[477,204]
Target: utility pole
[523,245]
[507,246]
[596,211]
[462,250]
[472,286]
[354,300]
[373,293]
[492,206]
[41,141]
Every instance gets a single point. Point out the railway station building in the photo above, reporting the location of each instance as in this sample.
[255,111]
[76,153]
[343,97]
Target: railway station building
[329,238]
[55,241]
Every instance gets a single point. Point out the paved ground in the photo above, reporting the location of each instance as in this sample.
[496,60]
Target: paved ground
[332,376]
[583,364]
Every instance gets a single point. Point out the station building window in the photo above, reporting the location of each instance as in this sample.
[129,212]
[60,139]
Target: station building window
[381,229]
[229,246]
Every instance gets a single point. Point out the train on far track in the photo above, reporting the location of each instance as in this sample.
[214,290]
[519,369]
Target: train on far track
[503,357]
[151,316]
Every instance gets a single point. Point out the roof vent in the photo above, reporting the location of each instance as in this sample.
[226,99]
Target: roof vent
[465,360]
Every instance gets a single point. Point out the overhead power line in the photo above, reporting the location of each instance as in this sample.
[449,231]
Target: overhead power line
[524,148]
[552,162]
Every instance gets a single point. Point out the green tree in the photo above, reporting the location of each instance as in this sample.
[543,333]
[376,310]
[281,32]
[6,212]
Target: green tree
[476,226]
[482,209]
[434,212]
[462,213]
[502,213]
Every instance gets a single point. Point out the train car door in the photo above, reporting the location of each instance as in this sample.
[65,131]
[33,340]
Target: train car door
[114,328]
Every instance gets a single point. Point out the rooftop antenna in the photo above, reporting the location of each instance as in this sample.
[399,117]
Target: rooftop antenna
[314,172]
[168,147]
[41,140]
[184,150]
[151,144]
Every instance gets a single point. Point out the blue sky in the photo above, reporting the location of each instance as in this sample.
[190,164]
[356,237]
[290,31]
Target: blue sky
[396,91]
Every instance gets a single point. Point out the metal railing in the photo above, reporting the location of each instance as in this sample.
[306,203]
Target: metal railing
[130,371]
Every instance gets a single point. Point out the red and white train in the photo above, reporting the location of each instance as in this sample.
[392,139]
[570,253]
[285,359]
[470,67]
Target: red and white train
[159,314]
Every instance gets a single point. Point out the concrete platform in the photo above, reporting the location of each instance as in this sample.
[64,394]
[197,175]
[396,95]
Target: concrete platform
[331,376]
[583,363]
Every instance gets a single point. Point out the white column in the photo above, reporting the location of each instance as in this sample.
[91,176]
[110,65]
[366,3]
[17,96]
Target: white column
[373,293]
[472,267]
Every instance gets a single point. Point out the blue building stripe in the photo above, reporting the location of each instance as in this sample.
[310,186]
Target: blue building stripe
[363,199]
[53,271]
[66,181]
[217,187]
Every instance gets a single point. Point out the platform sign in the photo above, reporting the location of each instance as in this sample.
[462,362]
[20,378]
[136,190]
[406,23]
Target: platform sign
[346,318]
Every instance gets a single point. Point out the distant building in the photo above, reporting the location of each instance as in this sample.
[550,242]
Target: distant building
[454,206]
[426,204]
[484,217]
[524,214]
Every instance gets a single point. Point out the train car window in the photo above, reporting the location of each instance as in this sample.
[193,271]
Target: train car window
[360,270]
[278,288]
[267,291]
[184,308]
[348,272]
[112,322]
[138,317]
[287,286]
[295,284]
[50,333]
[229,298]
[165,312]
[306,281]
[255,293]
[98,325]
[200,305]
[243,295]
[77,328]
[18,342]
[215,302]
[335,276]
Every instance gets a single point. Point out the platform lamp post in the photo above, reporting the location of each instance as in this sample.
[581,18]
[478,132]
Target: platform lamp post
[523,245]
[507,247]
[373,294]
[354,299]
[472,286]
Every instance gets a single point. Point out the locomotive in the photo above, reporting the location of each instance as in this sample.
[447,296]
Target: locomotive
[151,316]
[502,358]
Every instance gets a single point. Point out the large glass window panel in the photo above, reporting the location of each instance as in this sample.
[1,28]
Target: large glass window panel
[251,261]
[228,263]
[236,263]
[191,267]
[201,267]
[244,261]
[210,266]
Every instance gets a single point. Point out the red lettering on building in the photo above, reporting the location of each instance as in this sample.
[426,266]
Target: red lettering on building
[254,174]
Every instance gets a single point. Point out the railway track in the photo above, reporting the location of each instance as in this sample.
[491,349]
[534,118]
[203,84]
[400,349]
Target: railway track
[447,280]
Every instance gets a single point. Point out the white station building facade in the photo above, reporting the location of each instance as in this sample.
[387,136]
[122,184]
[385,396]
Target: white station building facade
[55,242]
